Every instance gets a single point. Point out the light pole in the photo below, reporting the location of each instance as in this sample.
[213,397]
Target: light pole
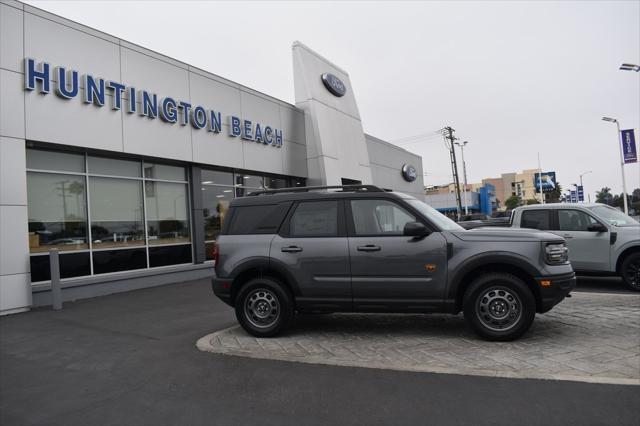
[464,174]
[630,67]
[624,182]
[582,174]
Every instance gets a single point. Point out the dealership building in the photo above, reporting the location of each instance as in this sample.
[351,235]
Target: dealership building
[125,160]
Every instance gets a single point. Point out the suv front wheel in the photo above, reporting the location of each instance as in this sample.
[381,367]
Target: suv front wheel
[630,271]
[264,308]
[499,306]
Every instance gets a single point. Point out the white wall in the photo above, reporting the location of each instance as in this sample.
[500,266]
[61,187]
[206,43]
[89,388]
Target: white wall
[386,167]
[336,146]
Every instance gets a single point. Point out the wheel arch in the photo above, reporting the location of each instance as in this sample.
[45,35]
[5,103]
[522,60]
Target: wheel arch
[257,268]
[493,262]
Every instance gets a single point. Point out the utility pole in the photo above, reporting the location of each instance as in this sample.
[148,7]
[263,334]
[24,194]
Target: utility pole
[464,176]
[454,167]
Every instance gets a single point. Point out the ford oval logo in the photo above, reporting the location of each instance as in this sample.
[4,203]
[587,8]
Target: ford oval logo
[334,84]
[409,173]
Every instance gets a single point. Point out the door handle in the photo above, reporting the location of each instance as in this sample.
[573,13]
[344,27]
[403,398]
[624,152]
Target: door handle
[568,236]
[369,247]
[291,249]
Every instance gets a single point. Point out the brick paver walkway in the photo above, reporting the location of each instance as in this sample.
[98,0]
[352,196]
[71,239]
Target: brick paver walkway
[590,337]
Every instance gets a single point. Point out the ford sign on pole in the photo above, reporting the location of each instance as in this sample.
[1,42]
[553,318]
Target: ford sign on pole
[629,151]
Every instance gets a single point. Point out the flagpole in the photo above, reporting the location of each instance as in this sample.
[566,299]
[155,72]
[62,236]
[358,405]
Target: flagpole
[540,179]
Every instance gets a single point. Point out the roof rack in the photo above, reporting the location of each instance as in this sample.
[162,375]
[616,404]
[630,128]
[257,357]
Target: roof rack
[344,188]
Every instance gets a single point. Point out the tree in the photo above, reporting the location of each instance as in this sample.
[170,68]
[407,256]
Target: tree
[531,201]
[604,196]
[554,195]
[512,202]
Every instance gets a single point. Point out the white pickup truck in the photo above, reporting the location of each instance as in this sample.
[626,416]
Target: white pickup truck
[601,239]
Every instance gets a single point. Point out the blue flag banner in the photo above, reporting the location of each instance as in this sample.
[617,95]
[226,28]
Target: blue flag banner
[629,151]
[580,193]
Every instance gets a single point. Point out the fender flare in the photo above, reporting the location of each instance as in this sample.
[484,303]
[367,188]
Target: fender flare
[493,257]
[265,263]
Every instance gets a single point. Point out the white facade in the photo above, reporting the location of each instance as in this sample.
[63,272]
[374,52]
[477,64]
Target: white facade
[322,138]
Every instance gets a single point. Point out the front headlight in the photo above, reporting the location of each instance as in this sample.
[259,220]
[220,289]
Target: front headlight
[556,253]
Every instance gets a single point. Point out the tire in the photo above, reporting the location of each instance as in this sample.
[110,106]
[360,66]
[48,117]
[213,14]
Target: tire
[499,306]
[264,307]
[630,271]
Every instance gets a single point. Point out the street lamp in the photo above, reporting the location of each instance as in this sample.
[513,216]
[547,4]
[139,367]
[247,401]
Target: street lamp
[464,174]
[630,67]
[624,183]
[582,174]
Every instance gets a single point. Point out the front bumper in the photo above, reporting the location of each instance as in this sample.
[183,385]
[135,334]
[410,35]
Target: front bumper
[554,288]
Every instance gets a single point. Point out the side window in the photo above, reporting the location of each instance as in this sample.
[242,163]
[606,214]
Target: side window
[379,217]
[536,219]
[264,219]
[574,220]
[315,219]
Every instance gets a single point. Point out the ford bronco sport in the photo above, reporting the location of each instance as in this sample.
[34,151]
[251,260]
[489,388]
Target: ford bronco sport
[359,248]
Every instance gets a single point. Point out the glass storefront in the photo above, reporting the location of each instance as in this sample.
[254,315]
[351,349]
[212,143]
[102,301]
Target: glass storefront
[219,188]
[105,214]
[112,214]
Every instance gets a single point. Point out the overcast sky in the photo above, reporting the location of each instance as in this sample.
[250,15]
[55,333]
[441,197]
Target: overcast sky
[512,78]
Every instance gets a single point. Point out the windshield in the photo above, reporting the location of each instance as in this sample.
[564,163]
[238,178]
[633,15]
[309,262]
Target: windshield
[613,216]
[440,220]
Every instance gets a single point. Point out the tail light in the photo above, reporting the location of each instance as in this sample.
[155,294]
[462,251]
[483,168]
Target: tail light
[215,254]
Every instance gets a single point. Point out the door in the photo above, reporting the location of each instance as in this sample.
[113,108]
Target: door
[588,250]
[389,271]
[312,246]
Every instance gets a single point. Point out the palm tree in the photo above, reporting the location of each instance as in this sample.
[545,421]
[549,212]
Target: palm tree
[604,196]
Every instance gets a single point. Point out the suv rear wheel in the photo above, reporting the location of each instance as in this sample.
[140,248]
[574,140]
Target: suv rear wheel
[264,307]
[499,306]
[630,271]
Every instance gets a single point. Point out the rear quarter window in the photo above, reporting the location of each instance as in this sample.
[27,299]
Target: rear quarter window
[261,219]
[536,219]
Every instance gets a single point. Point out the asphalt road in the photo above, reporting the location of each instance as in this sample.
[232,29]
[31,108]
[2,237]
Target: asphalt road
[130,359]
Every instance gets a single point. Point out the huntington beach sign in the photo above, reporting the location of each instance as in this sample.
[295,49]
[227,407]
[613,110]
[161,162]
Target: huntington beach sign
[66,84]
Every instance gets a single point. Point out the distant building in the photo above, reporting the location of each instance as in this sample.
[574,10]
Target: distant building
[508,184]
[443,198]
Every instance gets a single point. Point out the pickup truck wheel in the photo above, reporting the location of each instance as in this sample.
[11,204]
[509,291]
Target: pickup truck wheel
[264,307]
[630,271]
[499,306]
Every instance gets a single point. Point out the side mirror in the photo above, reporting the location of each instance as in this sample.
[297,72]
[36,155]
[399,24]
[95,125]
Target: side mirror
[415,229]
[597,227]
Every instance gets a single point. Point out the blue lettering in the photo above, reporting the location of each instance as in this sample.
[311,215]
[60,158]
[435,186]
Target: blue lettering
[93,90]
[278,138]
[199,117]
[133,105]
[32,75]
[169,110]
[247,133]
[61,88]
[258,135]
[215,122]
[268,133]
[117,93]
[185,112]
[149,104]
[234,126]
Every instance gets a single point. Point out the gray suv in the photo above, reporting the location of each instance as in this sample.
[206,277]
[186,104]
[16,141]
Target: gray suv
[363,249]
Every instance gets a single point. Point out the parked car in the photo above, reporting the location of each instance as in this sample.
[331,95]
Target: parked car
[601,239]
[478,220]
[363,249]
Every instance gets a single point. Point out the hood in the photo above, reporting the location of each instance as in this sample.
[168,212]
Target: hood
[505,235]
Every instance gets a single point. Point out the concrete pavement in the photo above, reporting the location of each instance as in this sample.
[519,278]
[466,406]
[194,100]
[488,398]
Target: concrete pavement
[130,359]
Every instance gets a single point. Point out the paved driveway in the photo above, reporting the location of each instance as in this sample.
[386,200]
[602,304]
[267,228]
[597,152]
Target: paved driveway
[590,337]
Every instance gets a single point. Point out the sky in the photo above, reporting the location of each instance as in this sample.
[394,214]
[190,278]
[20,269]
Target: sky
[514,79]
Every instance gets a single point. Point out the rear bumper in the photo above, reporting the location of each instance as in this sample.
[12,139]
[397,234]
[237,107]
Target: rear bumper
[222,288]
[557,288]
